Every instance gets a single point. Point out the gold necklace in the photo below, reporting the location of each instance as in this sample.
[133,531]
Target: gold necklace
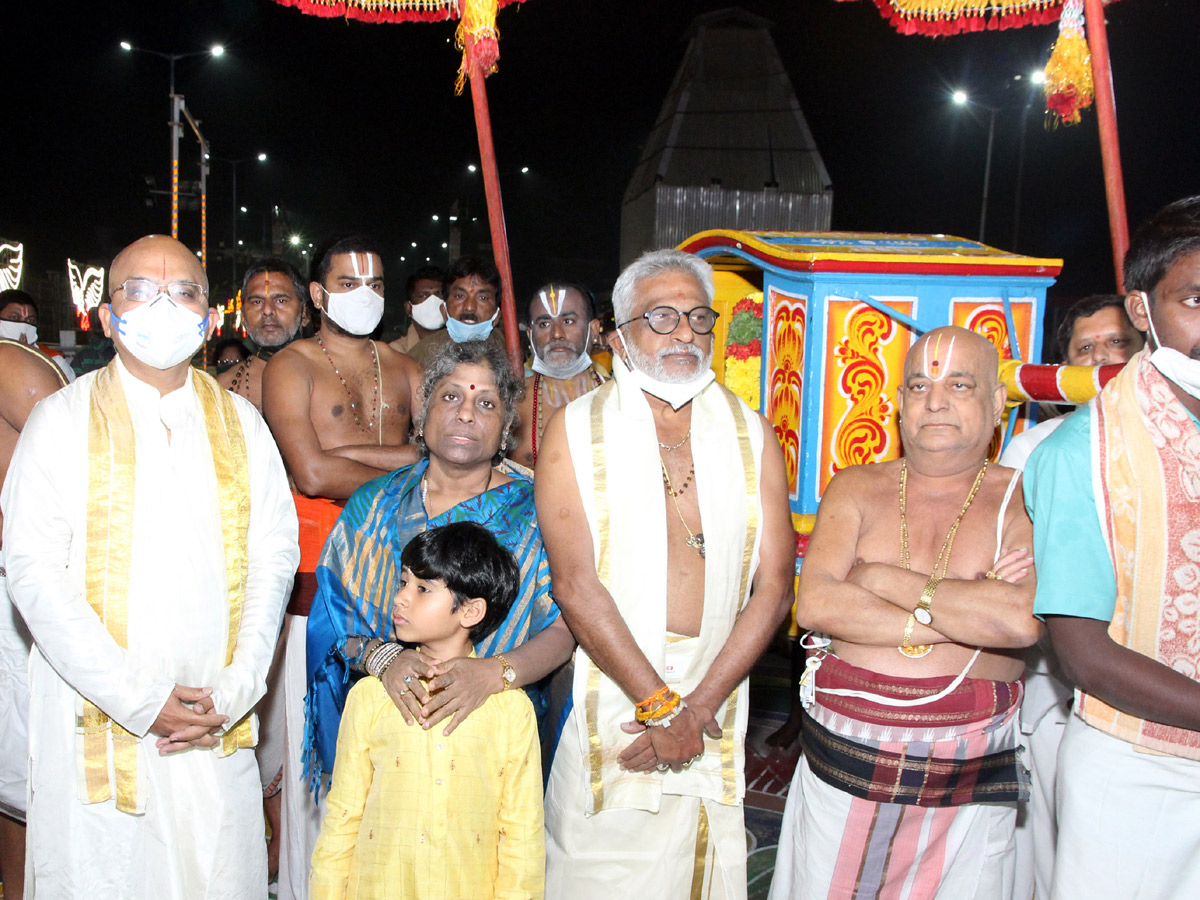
[916,651]
[695,541]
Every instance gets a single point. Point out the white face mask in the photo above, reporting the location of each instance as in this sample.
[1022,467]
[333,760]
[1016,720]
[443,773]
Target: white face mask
[18,331]
[678,394]
[160,333]
[357,311]
[428,313]
[568,370]
[1176,367]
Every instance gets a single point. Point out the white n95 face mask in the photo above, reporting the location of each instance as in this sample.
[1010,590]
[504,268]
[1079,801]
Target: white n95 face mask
[357,311]
[1175,366]
[18,331]
[161,333]
[428,313]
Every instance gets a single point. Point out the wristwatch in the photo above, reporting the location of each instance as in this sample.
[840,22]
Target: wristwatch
[923,613]
[508,675]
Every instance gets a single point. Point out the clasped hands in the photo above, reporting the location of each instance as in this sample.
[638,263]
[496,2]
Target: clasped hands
[187,719]
[427,691]
[673,746]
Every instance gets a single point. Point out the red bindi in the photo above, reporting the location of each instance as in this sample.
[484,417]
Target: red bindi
[472,387]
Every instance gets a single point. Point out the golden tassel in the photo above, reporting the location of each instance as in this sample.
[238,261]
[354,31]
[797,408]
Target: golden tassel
[1069,87]
[478,39]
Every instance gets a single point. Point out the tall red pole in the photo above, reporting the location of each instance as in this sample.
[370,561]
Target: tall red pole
[491,186]
[1110,146]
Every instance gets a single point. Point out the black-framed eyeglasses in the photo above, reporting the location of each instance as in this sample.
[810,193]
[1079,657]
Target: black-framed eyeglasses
[665,319]
[142,290]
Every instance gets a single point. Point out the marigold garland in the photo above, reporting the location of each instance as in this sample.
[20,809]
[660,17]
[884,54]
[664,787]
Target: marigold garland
[1069,87]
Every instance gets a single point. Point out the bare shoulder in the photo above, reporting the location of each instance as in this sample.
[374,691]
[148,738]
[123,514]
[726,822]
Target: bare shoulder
[392,358]
[856,481]
[18,361]
[296,358]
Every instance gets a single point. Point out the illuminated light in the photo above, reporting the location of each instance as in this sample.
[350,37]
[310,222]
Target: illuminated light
[218,50]
[414,243]
[454,218]
[403,259]
[960,97]
[524,170]
[444,245]
[262,157]
[435,218]
[240,242]
[244,209]
[295,240]
[126,46]
[87,288]
[12,264]
[1037,76]
[471,167]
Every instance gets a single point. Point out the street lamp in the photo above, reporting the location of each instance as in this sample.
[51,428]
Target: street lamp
[175,125]
[1036,79]
[233,241]
[961,98]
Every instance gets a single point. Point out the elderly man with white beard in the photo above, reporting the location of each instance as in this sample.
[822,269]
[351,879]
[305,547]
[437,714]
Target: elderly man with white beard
[663,504]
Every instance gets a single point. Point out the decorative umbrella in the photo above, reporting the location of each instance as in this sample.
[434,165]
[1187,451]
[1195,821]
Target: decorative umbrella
[478,40]
[1078,70]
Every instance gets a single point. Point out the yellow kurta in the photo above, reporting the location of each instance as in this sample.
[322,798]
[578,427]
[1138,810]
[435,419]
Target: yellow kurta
[416,814]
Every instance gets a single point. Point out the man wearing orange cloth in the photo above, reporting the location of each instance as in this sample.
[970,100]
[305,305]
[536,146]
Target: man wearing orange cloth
[340,407]
[909,782]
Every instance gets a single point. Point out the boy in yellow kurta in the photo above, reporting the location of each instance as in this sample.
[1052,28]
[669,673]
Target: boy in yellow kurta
[417,814]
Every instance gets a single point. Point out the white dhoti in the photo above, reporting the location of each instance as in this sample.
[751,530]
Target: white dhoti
[688,843]
[14,705]
[272,741]
[301,814]
[1128,821]
[667,835]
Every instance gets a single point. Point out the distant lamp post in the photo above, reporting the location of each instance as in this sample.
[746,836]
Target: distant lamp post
[1036,79]
[175,125]
[961,98]
[233,238]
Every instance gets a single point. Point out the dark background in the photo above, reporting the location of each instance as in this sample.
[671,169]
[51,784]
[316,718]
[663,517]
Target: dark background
[364,132]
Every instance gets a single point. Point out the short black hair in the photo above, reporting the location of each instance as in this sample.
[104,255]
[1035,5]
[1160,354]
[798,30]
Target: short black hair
[340,243]
[589,298]
[448,357]
[1172,233]
[468,559]
[222,345]
[466,266]
[15,295]
[1081,309]
[278,264]
[425,273]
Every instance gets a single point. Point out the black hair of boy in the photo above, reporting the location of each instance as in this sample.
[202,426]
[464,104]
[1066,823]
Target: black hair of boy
[468,559]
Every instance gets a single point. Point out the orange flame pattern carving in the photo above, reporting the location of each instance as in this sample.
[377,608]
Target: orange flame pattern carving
[787,377]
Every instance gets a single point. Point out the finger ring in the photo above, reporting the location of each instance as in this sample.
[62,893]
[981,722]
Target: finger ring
[408,679]
[403,692]
[696,757]
[662,767]
[992,575]
[688,764]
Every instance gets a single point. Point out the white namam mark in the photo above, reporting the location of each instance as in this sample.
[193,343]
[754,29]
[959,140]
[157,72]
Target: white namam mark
[937,367]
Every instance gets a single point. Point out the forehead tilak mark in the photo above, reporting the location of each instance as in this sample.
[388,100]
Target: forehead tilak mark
[937,367]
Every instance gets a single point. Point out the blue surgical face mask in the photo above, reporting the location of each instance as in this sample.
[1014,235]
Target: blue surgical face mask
[461,332]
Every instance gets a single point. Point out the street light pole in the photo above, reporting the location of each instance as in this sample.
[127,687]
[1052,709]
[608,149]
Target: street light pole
[962,99]
[176,125]
[233,243]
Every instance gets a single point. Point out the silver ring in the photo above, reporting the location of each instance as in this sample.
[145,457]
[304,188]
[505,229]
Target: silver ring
[662,767]
[408,679]
[696,757]
[688,764]
[403,692]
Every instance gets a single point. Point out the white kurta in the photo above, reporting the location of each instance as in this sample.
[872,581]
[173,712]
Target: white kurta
[202,831]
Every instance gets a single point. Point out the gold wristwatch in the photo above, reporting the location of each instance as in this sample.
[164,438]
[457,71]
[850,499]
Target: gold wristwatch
[508,675]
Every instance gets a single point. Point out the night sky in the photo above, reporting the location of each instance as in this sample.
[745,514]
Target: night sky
[364,132]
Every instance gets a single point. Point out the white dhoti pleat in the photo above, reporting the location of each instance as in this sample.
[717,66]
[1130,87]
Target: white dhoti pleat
[272,734]
[301,814]
[14,705]
[1128,821]
[690,844]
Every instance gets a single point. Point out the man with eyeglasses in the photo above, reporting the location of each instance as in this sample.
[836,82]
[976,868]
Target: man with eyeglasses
[150,542]
[663,503]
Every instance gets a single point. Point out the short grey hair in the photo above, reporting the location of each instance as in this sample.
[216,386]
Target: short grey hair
[652,264]
[449,357]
